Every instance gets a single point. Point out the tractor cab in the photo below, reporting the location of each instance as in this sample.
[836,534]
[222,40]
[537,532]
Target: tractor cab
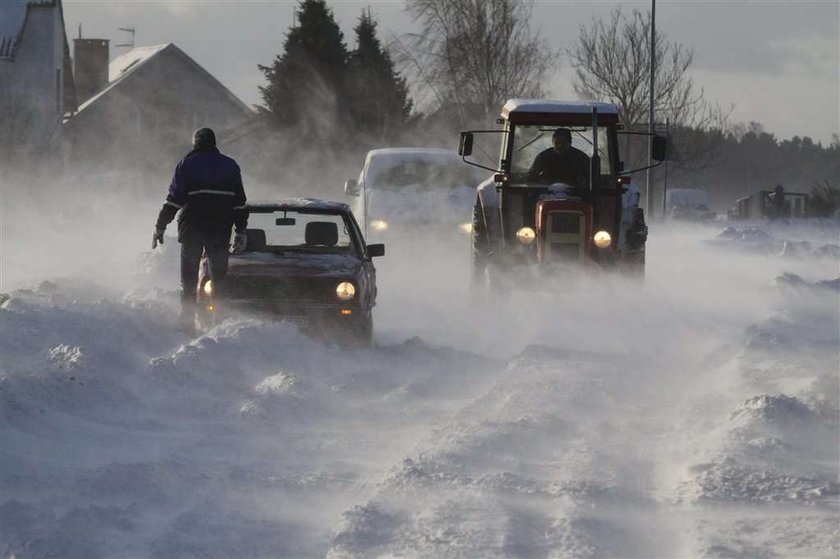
[577,209]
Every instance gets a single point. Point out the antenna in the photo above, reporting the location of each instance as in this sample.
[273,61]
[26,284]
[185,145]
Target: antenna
[131,31]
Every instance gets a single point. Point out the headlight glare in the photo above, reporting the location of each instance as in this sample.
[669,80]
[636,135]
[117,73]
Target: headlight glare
[345,290]
[379,225]
[526,235]
[466,227]
[602,239]
[208,288]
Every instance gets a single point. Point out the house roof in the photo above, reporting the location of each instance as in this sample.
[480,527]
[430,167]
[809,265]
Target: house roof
[126,64]
[12,18]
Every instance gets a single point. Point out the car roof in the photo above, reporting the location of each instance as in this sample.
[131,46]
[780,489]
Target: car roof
[302,204]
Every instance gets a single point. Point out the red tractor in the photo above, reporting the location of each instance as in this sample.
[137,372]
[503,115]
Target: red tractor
[522,220]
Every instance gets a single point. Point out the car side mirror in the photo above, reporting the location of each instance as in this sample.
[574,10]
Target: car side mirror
[659,148]
[465,146]
[351,187]
[376,250]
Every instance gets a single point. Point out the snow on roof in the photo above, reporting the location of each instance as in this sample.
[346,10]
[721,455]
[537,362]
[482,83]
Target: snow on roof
[315,204]
[550,106]
[131,60]
[431,152]
[123,65]
[126,64]
[12,16]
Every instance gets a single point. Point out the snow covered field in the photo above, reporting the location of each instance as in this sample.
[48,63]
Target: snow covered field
[695,415]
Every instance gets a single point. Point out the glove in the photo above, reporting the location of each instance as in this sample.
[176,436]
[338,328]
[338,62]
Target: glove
[240,240]
[157,237]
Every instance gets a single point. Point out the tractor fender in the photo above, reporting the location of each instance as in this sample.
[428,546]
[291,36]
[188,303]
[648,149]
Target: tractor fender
[487,199]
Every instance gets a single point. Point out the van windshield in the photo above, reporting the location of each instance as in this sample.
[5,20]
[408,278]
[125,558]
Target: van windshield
[425,175]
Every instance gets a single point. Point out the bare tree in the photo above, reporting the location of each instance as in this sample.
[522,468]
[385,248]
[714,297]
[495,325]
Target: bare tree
[478,53]
[612,62]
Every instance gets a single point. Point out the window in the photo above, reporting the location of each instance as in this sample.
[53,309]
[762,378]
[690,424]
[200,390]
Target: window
[530,140]
[291,232]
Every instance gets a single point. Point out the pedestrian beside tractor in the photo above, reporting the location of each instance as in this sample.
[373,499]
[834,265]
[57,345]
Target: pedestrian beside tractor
[207,190]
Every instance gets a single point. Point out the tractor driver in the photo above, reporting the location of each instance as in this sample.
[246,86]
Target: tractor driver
[561,163]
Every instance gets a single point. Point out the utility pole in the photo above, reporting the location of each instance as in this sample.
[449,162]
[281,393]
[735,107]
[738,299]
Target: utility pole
[649,186]
[665,169]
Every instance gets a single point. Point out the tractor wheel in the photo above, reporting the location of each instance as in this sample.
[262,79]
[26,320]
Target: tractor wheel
[634,264]
[478,248]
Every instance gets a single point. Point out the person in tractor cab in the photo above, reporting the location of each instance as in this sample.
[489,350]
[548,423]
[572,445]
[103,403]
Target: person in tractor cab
[561,163]
[207,189]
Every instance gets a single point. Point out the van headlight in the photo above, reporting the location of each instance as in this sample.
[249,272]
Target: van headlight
[208,288]
[602,239]
[526,235]
[466,227]
[379,225]
[345,290]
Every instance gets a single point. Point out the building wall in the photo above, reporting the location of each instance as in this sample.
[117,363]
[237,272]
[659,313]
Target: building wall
[32,84]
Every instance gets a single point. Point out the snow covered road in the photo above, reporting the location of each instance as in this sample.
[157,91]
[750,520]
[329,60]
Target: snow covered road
[694,415]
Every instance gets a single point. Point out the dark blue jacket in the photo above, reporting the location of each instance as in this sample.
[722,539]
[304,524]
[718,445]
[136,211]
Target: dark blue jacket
[207,188]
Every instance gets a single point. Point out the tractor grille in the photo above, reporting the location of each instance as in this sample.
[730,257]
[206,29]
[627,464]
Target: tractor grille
[565,238]
[566,223]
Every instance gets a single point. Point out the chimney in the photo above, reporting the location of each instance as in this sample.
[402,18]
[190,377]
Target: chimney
[90,66]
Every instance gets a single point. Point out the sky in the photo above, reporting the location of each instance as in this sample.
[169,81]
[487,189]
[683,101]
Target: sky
[773,62]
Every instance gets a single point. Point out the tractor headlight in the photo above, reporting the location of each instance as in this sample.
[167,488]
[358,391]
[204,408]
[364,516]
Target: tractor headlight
[345,290]
[379,225]
[602,239]
[466,227]
[526,235]
[208,288]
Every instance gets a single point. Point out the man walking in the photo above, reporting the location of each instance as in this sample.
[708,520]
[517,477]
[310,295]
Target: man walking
[207,189]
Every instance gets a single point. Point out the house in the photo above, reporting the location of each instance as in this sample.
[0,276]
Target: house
[36,81]
[142,115]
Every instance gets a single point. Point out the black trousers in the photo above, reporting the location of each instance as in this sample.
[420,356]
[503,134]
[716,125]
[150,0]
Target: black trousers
[191,251]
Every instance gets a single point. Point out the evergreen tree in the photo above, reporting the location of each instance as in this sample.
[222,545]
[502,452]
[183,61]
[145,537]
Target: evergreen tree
[305,81]
[380,106]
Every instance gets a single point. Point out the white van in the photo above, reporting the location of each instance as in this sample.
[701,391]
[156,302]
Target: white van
[399,188]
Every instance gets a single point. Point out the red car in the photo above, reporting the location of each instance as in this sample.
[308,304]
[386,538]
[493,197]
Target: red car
[305,260]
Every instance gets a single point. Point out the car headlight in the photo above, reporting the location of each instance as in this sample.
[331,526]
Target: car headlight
[602,239]
[379,225]
[466,227]
[345,290]
[208,288]
[526,235]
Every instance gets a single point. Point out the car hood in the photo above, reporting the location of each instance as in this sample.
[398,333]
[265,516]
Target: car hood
[294,264]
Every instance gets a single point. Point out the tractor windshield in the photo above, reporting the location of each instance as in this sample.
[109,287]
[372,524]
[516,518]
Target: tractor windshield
[531,140]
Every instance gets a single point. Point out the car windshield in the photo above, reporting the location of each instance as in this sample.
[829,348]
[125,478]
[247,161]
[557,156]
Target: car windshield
[531,140]
[289,230]
[419,174]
